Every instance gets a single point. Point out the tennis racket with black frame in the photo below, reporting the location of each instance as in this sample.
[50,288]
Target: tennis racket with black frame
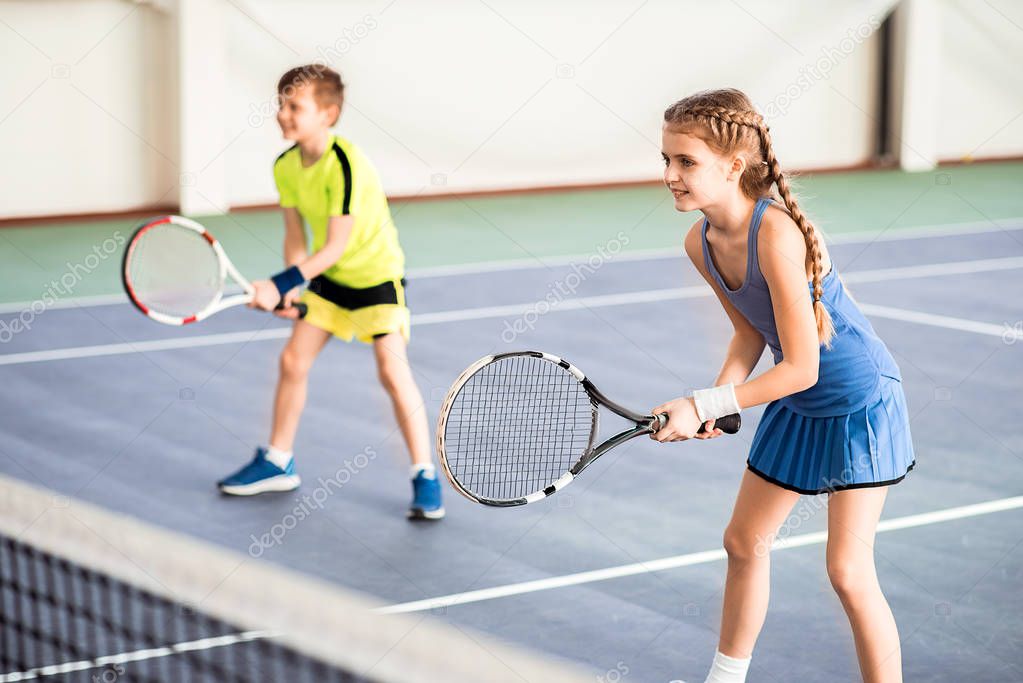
[176,272]
[517,427]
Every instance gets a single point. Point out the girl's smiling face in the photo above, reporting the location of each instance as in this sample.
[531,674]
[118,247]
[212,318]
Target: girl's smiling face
[696,175]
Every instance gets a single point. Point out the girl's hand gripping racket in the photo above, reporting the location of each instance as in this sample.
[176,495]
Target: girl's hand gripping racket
[175,272]
[517,427]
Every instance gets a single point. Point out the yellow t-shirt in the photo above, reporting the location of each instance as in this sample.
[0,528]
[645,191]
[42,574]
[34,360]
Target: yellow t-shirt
[343,182]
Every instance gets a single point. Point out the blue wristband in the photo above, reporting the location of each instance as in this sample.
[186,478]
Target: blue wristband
[287,280]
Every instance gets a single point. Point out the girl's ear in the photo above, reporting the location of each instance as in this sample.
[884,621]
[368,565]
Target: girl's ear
[737,169]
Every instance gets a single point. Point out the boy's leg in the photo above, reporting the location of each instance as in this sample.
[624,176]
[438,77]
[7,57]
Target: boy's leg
[273,468]
[410,411]
[297,358]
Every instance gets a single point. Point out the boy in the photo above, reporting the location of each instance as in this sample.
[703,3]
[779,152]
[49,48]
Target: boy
[356,285]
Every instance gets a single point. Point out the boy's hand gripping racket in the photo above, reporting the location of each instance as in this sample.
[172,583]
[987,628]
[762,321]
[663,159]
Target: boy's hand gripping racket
[517,427]
[175,272]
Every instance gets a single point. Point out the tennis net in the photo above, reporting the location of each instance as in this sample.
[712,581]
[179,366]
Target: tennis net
[90,595]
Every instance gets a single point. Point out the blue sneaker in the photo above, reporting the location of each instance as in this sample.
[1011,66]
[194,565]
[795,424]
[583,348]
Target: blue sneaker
[426,501]
[260,476]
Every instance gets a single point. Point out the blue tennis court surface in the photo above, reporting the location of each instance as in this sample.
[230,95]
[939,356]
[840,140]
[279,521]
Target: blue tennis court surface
[622,572]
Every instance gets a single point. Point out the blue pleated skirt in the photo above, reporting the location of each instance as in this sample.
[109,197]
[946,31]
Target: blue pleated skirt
[869,447]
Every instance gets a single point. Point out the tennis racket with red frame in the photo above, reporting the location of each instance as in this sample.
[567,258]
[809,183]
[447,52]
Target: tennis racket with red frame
[176,272]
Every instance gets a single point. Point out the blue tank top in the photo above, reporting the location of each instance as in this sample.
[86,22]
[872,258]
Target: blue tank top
[850,371]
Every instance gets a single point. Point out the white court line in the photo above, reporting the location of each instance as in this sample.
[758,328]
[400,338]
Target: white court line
[932,269]
[1007,332]
[144,346]
[923,232]
[72,302]
[666,563]
[135,656]
[586,302]
[418,320]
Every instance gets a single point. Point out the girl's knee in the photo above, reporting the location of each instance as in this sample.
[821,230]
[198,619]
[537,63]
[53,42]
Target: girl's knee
[743,545]
[850,577]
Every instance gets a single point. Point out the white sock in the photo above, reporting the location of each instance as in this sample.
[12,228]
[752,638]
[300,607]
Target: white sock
[278,457]
[427,469]
[727,669]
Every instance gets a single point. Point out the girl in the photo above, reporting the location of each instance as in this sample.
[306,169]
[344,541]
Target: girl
[836,420]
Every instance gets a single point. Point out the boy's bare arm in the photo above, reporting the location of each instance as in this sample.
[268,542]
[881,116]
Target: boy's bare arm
[295,248]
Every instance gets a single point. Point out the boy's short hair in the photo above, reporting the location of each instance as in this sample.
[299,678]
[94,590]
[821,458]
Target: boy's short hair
[328,88]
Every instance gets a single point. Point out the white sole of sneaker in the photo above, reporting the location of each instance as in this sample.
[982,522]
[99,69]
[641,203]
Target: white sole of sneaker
[284,482]
[424,514]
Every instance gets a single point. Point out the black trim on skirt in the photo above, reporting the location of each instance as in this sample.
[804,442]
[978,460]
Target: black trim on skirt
[830,489]
[353,298]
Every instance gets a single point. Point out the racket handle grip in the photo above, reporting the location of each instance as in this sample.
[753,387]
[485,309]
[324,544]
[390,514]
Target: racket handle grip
[298,306]
[729,424]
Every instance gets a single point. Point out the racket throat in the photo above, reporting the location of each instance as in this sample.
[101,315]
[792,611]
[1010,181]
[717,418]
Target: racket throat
[614,441]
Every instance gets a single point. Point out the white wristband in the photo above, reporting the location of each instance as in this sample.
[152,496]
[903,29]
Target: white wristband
[715,402]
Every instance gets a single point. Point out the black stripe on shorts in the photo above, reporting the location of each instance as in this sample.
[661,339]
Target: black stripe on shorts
[353,298]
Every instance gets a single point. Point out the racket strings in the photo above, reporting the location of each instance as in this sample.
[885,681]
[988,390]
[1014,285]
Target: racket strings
[173,270]
[516,426]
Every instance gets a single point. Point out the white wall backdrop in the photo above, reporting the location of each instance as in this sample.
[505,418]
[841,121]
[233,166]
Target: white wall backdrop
[498,95]
[84,119]
[454,95]
[980,102]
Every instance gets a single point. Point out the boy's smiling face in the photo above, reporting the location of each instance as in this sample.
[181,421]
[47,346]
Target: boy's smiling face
[301,117]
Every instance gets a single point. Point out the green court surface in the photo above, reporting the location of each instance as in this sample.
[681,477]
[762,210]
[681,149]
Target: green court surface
[85,255]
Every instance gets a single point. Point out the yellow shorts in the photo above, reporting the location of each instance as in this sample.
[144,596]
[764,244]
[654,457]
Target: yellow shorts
[360,313]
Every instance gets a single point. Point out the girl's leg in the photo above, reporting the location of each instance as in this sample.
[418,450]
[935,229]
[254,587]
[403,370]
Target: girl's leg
[852,522]
[305,344]
[396,378]
[760,508]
